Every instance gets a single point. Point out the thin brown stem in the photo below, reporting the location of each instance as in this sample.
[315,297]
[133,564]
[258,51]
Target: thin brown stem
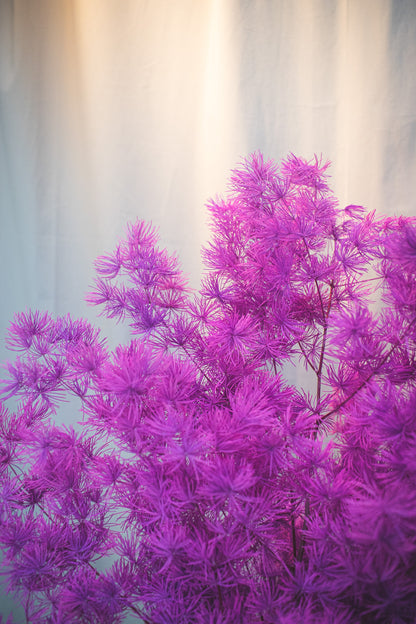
[293,537]
[220,598]
[318,398]
[201,370]
[315,279]
[370,279]
[310,364]
[324,336]
[369,377]
[302,541]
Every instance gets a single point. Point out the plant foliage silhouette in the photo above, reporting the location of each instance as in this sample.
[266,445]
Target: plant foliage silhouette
[215,491]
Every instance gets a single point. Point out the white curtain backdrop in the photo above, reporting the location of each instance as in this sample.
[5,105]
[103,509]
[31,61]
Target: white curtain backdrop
[112,110]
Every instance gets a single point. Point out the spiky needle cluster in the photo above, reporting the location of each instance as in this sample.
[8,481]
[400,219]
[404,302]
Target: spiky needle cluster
[200,486]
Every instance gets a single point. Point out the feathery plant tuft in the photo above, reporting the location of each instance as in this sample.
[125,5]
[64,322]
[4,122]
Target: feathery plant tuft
[215,491]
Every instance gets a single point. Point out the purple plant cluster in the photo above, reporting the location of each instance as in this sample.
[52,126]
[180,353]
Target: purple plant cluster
[200,486]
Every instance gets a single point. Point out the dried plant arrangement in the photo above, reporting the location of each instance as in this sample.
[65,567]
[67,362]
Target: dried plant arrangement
[200,486]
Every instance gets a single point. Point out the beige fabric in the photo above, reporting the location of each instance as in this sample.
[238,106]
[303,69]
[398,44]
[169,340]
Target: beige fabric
[116,109]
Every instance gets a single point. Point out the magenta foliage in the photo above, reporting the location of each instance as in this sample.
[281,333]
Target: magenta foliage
[201,487]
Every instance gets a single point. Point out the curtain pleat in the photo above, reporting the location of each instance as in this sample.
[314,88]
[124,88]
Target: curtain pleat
[114,110]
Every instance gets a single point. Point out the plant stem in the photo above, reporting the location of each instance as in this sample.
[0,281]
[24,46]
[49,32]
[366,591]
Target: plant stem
[293,537]
[315,279]
[324,336]
[370,376]
[318,398]
[302,541]
[306,357]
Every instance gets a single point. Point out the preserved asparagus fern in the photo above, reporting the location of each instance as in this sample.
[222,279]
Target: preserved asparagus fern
[221,492]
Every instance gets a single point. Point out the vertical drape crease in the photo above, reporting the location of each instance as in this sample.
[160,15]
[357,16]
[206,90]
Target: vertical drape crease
[112,111]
